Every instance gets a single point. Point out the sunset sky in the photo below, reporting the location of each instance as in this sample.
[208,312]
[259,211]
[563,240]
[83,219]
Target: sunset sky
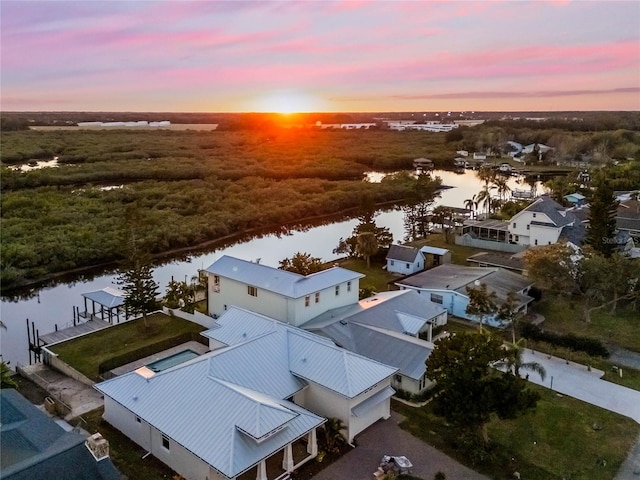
[236,56]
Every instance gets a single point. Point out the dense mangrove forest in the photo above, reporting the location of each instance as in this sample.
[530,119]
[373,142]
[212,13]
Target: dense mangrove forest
[190,187]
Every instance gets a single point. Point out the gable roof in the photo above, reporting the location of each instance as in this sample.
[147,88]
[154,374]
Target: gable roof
[279,281]
[402,311]
[264,362]
[403,253]
[32,445]
[457,277]
[558,215]
[108,297]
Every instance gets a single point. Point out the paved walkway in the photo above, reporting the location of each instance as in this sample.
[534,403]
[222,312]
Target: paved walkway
[386,437]
[575,380]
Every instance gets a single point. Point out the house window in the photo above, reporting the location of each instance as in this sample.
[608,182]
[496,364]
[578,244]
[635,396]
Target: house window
[435,298]
[216,279]
[307,300]
[165,442]
[514,224]
[535,242]
[348,286]
[517,238]
[253,291]
[528,227]
[408,265]
[138,420]
[225,308]
[337,290]
[317,297]
[398,378]
[391,262]
[534,215]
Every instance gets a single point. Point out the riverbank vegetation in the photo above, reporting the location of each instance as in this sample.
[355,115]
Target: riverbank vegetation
[191,188]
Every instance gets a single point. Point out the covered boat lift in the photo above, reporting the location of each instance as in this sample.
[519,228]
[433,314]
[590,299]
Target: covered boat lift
[106,302]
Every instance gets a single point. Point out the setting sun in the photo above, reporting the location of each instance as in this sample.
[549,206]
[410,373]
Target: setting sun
[288,102]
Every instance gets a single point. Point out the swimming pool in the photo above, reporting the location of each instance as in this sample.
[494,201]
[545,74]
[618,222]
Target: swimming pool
[172,360]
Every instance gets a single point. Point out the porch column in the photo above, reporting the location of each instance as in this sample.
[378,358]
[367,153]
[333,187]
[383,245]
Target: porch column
[312,443]
[262,471]
[287,461]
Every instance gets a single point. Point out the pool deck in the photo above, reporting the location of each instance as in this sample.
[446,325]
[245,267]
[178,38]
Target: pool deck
[129,367]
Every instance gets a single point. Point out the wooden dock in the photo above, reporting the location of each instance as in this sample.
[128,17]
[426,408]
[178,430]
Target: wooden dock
[72,332]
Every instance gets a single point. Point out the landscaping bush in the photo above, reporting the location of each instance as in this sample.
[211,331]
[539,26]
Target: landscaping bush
[579,344]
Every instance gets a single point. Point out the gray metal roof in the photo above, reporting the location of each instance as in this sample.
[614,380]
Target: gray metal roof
[34,446]
[285,283]
[108,297]
[496,259]
[222,402]
[457,277]
[403,253]
[402,311]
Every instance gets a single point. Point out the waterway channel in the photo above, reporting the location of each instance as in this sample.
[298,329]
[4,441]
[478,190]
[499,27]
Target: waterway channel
[49,306]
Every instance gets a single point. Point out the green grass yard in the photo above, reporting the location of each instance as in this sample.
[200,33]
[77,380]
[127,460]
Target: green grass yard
[564,315]
[557,441]
[86,353]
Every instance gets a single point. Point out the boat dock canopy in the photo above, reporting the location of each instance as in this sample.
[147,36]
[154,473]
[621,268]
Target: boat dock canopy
[107,297]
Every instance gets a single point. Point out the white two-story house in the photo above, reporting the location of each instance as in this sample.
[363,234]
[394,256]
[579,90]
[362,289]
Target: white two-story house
[541,223]
[285,296]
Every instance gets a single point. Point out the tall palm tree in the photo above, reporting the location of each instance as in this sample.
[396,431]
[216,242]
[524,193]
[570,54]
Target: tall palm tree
[367,246]
[484,198]
[502,187]
[471,204]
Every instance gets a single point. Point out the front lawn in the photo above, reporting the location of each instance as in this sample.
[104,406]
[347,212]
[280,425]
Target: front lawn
[564,438]
[376,278]
[86,353]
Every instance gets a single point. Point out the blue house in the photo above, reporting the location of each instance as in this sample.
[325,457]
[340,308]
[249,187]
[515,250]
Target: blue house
[447,285]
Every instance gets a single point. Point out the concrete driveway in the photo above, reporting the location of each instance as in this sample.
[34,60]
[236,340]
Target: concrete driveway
[576,380]
[386,437]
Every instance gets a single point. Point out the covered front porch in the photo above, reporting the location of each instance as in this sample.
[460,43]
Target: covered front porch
[279,465]
[494,230]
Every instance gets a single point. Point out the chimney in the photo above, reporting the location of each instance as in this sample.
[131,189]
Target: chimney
[98,446]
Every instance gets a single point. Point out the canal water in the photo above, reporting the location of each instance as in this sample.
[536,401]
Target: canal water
[50,306]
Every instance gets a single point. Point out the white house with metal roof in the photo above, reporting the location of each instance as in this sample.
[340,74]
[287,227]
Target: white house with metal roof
[263,391]
[387,327]
[277,293]
[447,285]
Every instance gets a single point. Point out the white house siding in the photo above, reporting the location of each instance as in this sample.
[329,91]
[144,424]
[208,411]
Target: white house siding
[407,384]
[149,438]
[329,404]
[405,268]
[233,293]
[522,235]
[291,310]
[328,301]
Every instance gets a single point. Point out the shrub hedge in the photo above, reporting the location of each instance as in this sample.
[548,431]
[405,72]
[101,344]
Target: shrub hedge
[584,344]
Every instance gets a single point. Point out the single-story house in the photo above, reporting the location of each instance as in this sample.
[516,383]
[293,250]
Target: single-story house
[513,262]
[261,392]
[404,260]
[394,328]
[447,285]
[34,446]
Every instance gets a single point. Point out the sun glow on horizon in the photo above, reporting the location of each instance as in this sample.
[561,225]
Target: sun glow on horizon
[287,102]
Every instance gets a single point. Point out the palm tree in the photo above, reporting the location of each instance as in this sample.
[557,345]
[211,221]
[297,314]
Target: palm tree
[502,187]
[484,198]
[367,246]
[471,204]
[513,362]
[333,433]
[486,174]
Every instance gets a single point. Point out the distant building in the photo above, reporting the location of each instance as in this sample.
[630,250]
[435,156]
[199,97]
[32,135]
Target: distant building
[404,259]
